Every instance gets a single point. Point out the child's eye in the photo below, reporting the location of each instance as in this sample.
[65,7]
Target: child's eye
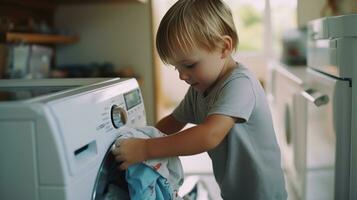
[190,66]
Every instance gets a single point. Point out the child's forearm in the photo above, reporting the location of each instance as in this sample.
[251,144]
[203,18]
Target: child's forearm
[188,142]
[194,140]
[169,125]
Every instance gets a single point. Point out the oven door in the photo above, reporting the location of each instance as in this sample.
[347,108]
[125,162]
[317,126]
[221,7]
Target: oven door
[324,114]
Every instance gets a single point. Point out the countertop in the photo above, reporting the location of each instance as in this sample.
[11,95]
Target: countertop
[298,73]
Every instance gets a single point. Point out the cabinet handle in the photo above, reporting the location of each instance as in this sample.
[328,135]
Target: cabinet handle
[315,97]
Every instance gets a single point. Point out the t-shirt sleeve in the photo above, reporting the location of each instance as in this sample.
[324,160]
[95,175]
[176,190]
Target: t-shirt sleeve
[184,111]
[235,99]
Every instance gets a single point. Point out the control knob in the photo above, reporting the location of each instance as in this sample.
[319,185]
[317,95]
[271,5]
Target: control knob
[118,116]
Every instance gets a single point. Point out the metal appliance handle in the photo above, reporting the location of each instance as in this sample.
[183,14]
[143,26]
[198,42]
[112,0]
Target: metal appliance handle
[315,97]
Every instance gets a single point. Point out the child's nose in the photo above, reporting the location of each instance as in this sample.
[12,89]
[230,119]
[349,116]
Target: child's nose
[183,76]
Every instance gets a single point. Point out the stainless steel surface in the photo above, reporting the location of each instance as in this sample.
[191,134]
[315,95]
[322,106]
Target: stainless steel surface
[325,132]
[332,45]
[315,97]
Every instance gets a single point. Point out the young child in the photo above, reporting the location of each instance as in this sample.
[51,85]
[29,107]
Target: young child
[225,101]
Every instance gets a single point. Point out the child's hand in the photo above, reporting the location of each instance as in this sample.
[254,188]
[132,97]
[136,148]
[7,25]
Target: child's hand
[129,151]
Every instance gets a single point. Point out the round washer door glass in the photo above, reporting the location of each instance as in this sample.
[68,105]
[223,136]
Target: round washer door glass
[110,182]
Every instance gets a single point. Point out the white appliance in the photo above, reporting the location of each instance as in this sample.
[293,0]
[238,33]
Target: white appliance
[285,85]
[56,134]
[326,108]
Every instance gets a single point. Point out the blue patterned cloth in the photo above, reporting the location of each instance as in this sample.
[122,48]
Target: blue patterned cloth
[146,184]
[152,179]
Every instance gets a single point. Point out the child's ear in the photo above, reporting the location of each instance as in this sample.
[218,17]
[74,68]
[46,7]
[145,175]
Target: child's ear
[227,46]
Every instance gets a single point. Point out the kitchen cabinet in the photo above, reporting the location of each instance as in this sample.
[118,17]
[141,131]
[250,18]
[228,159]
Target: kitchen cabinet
[301,105]
[284,87]
[30,22]
[30,15]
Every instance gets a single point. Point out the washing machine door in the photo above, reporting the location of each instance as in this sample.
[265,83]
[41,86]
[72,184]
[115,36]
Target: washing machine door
[110,182]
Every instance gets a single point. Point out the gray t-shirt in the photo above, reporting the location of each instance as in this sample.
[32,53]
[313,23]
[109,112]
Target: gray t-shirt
[246,163]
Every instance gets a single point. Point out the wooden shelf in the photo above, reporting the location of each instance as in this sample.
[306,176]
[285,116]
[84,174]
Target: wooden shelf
[59,2]
[39,5]
[12,37]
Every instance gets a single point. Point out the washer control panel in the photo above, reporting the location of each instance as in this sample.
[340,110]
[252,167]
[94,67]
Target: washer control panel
[128,109]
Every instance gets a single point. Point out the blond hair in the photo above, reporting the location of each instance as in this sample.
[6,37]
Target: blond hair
[194,23]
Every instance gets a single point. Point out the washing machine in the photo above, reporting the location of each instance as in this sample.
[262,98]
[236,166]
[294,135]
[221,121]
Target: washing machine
[56,134]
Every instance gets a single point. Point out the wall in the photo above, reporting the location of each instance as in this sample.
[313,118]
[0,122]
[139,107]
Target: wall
[119,33]
[309,10]
[170,89]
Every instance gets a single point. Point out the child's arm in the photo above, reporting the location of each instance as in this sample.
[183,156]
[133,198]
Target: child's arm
[169,125]
[200,138]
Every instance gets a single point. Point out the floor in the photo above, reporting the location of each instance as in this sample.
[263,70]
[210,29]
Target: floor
[200,165]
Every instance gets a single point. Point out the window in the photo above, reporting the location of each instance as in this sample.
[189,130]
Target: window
[283,17]
[260,24]
[248,17]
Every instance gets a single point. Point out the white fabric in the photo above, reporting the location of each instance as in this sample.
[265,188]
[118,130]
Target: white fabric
[170,168]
